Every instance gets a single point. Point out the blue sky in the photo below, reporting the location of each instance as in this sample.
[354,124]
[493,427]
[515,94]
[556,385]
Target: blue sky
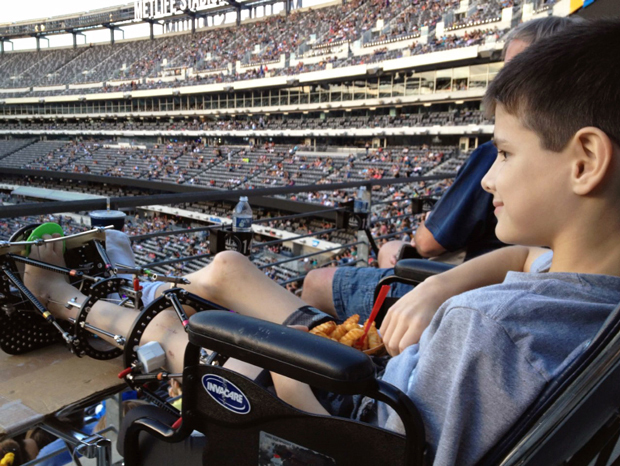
[41,9]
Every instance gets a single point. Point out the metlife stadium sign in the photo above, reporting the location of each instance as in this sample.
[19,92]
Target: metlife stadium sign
[161,8]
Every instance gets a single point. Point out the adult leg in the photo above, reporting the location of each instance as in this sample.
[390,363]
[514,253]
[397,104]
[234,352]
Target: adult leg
[388,253]
[317,289]
[345,291]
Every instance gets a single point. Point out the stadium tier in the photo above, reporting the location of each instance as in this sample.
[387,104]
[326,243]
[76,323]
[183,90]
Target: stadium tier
[342,92]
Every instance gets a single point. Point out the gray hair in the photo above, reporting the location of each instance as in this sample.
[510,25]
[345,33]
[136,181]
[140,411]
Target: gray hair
[536,29]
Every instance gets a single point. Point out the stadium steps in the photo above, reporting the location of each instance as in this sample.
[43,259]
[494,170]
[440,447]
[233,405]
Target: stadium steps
[108,58]
[30,153]
[67,63]
[10,146]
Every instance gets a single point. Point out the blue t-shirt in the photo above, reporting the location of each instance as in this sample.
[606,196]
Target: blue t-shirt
[489,353]
[463,217]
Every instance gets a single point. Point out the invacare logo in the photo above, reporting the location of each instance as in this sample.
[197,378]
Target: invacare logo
[226,394]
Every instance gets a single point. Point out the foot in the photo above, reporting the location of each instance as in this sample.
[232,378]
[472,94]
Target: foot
[52,289]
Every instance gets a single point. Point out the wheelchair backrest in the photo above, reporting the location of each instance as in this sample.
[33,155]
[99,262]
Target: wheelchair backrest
[572,409]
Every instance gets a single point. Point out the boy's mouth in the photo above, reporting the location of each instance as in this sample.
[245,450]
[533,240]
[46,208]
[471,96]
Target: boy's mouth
[498,206]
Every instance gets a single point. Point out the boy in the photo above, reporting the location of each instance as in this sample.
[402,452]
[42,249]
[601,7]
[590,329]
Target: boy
[489,352]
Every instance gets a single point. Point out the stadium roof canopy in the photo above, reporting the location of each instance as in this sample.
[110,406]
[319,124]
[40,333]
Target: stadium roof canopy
[53,194]
[140,11]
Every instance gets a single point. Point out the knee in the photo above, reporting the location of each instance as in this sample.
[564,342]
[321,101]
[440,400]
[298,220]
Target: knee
[223,272]
[387,253]
[316,284]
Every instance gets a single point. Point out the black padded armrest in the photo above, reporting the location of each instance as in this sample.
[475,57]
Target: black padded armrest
[419,269]
[311,359]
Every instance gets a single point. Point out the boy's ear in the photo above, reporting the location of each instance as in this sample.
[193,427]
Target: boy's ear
[593,155]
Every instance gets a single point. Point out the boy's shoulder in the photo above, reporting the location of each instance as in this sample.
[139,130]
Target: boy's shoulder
[545,315]
[539,291]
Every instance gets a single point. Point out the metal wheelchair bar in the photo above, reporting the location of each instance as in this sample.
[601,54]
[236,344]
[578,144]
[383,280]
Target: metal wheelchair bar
[91,446]
[344,246]
[284,240]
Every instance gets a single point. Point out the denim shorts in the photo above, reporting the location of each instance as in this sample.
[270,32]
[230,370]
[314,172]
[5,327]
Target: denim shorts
[353,290]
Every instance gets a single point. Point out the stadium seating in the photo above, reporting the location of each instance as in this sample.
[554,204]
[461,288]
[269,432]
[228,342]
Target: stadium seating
[209,55]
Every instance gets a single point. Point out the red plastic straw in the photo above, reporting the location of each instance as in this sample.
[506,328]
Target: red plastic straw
[375,310]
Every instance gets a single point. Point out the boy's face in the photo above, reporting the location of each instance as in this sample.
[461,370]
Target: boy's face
[528,185]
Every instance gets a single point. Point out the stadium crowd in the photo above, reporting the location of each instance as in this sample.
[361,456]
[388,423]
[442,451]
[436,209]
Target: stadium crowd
[249,51]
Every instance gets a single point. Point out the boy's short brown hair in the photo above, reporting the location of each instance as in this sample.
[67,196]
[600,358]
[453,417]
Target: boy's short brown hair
[564,83]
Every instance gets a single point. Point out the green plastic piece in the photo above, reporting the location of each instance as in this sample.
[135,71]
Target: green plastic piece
[46,229]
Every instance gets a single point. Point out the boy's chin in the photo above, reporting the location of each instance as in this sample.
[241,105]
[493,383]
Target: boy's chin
[507,236]
[512,239]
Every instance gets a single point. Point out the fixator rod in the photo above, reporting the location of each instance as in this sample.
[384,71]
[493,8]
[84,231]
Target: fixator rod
[117,338]
[46,266]
[47,315]
[178,307]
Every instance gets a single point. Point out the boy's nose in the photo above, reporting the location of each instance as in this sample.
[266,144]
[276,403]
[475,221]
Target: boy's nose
[488,181]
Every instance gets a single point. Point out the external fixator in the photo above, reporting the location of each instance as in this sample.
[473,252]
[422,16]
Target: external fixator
[25,322]
[36,304]
[175,297]
[172,296]
[150,275]
[85,343]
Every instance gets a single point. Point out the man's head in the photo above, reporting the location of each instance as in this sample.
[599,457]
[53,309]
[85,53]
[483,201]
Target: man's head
[533,31]
[557,131]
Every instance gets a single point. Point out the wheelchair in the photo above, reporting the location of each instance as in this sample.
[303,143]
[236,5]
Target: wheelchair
[574,421]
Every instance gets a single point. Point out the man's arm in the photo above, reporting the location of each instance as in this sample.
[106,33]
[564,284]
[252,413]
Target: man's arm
[425,242]
[409,316]
[460,217]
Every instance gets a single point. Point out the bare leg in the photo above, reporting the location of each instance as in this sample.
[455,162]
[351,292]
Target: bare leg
[388,253]
[232,281]
[317,289]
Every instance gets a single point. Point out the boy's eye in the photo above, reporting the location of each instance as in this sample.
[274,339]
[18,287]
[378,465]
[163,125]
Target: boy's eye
[503,154]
